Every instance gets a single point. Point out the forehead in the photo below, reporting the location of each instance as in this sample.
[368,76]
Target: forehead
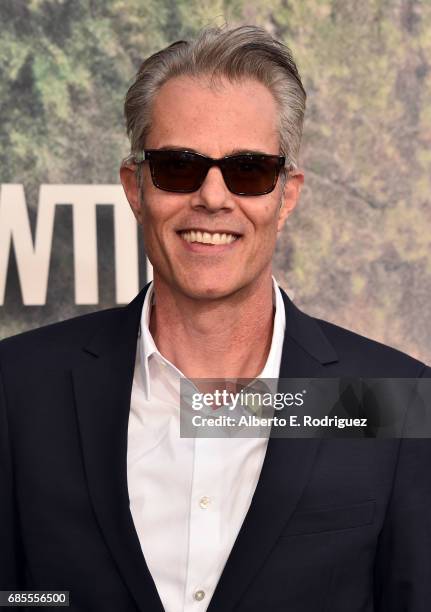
[188,111]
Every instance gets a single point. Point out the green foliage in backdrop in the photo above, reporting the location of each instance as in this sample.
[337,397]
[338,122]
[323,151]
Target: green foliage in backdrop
[358,249]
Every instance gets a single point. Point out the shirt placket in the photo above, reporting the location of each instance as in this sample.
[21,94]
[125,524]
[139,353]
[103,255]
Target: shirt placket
[205,528]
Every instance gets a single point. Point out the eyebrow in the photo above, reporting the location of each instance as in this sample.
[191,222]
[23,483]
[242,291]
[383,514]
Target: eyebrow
[232,152]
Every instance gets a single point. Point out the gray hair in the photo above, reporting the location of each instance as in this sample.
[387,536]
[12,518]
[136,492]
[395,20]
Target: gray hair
[243,52]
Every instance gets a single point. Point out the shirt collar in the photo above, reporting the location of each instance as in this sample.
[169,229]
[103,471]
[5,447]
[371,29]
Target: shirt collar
[147,346]
[271,368]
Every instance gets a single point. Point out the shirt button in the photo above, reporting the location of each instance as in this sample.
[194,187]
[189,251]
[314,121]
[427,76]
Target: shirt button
[204,502]
[199,595]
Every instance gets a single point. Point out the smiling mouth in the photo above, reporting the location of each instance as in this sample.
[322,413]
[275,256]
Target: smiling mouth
[207,237]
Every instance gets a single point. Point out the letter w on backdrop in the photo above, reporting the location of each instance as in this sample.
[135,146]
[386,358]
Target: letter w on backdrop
[33,255]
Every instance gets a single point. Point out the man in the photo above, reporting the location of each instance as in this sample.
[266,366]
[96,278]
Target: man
[100,494]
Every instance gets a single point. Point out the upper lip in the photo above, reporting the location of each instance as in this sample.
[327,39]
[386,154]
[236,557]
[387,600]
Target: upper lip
[209,231]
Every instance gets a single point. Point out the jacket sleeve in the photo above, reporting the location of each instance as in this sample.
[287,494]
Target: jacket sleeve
[10,558]
[403,563]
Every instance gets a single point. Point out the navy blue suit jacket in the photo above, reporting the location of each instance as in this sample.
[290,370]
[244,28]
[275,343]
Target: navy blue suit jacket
[335,525]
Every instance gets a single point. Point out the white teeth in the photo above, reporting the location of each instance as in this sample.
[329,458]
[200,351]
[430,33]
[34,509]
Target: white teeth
[207,238]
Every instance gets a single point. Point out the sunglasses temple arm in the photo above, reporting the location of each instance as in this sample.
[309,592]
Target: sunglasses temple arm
[134,158]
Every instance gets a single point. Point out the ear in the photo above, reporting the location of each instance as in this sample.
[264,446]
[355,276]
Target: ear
[290,196]
[130,186]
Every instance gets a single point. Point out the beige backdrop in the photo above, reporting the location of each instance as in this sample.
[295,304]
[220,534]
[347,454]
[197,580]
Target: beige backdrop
[358,249]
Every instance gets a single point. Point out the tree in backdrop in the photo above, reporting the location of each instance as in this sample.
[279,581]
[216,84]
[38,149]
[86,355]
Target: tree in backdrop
[358,249]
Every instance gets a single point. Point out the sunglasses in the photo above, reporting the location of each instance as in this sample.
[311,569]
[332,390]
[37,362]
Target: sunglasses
[249,174]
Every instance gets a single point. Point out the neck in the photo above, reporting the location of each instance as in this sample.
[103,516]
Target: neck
[225,338]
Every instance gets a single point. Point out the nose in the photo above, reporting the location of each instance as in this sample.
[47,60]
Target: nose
[213,194]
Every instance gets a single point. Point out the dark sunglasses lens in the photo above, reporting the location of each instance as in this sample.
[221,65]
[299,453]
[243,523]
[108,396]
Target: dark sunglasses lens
[177,170]
[251,175]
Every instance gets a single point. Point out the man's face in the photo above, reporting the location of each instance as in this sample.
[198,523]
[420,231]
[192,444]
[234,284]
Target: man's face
[188,114]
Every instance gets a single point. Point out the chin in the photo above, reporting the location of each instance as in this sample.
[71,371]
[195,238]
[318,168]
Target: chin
[208,290]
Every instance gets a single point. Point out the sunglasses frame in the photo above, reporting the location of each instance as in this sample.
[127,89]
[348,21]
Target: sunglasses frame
[148,155]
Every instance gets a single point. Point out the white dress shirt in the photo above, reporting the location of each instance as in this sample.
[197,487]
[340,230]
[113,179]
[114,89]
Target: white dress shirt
[188,496]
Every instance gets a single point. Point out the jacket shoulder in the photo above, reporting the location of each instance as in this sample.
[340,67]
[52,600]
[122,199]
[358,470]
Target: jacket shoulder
[57,337]
[373,358]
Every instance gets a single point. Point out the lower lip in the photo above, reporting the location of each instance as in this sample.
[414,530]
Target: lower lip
[208,249]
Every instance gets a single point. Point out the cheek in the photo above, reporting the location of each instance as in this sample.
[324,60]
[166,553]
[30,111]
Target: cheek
[151,229]
[268,225]
[265,219]
[158,214]
[148,223]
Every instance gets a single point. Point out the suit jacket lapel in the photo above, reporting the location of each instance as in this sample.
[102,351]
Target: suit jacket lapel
[102,386]
[286,469]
